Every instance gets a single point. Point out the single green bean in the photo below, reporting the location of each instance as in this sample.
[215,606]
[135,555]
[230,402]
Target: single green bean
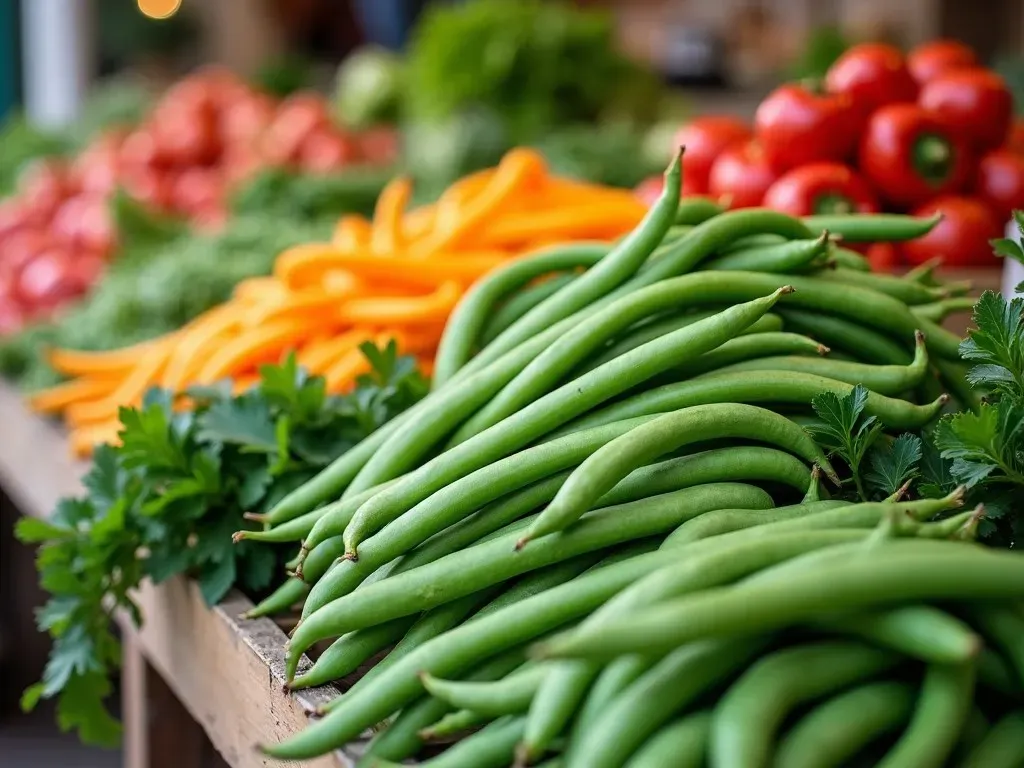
[658,695]
[848,259]
[938,311]
[280,600]
[682,744]
[899,571]
[491,747]
[954,377]
[696,210]
[747,347]
[493,562]
[453,724]
[940,714]
[847,335]
[873,227]
[664,434]
[548,412]
[720,521]
[890,380]
[1003,628]
[288,531]
[612,679]
[834,732]
[474,310]
[904,290]
[747,718]
[518,305]
[790,256]
[1002,747]
[347,653]
[509,696]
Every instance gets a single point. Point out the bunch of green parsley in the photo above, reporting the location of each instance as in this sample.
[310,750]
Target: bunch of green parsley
[166,501]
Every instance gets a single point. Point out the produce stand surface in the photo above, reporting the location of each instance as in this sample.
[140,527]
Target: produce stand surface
[227,672]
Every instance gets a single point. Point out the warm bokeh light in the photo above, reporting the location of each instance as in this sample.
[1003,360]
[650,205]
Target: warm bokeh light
[159,9]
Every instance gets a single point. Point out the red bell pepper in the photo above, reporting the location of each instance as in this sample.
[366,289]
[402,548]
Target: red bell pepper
[1000,182]
[704,139]
[797,126]
[975,102]
[932,59]
[873,75]
[910,155]
[741,175]
[961,238]
[821,188]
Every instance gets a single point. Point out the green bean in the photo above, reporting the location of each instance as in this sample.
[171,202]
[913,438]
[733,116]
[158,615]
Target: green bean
[890,380]
[954,377]
[849,336]
[1002,747]
[461,648]
[611,680]
[457,500]
[873,227]
[938,311]
[994,672]
[618,266]
[790,256]
[747,718]
[848,259]
[945,344]
[640,446]
[280,600]
[495,561]
[554,363]
[976,727]
[765,326]
[682,744]
[764,240]
[475,308]
[509,696]
[934,729]
[720,521]
[347,653]
[1003,628]
[288,531]
[561,694]
[835,731]
[518,305]
[657,696]
[492,747]
[904,290]
[696,210]
[747,348]
[918,631]
[549,412]
[452,724]
[908,570]
[401,739]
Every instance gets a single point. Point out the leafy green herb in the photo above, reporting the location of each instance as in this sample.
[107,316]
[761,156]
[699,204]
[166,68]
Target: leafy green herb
[166,501]
[844,430]
[893,464]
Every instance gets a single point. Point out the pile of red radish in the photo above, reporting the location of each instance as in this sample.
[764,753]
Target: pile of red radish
[929,132]
[208,133]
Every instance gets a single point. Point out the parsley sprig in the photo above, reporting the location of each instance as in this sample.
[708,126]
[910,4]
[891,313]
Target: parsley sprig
[166,501]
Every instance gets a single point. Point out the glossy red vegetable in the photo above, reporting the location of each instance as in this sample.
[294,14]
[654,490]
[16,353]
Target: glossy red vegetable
[704,139]
[975,102]
[47,281]
[741,175]
[872,75]
[909,155]
[883,257]
[821,188]
[325,151]
[961,238]
[932,59]
[1015,139]
[999,181]
[798,126]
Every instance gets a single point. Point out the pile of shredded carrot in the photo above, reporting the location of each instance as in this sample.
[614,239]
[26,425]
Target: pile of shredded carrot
[395,277]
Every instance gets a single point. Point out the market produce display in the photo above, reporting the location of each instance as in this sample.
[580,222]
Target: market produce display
[925,133]
[207,135]
[395,278]
[704,484]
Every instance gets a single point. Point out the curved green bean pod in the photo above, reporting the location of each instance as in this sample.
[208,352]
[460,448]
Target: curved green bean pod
[452,724]
[518,305]
[749,715]
[873,227]
[280,600]
[847,259]
[790,256]
[906,291]
[696,210]
[640,446]
[611,680]
[720,521]
[682,744]
[835,731]
[941,711]
[938,311]
[509,696]
[848,336]
[747,347]
[1002,747]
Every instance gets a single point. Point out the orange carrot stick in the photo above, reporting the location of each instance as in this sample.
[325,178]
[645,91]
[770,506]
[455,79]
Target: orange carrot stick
[129,392]
[252,347]
[196,346]
[576,223]
[59,397]
[387,236]
[393,310]
[83,440]
[352,233]
[115,362]
[319,358]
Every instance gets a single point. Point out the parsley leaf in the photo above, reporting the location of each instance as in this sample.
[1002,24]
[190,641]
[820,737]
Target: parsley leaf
[844,431]
[996,345]
[893,464]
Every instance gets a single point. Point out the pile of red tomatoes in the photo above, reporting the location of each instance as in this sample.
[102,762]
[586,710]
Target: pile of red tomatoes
[929,132]
[208,133]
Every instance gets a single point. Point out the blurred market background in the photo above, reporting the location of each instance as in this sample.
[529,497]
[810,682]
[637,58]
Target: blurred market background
[122,131]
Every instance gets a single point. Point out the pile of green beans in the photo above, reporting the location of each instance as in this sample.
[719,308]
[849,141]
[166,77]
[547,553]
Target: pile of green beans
[604,461]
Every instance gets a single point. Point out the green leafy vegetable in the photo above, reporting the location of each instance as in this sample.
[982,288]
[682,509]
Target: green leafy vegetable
[893,464]
[166,501]
[844,431]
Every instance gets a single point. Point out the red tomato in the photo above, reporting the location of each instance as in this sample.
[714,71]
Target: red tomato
[961,238]
[379,146]
[47,281]
[188,134]
[197,188]
[704,139]
[14,217]
[152,188]
[883,257]
[297,118]
[20,248]
[1015,139]
[96,232]
[246,118]
[42,187]
[1000,182]
[872,75]
[326,151]
[96,171]
[930,60]
[796,126]
[140,152]
[821,188]
[741,175]
[910,155]
[975,102]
